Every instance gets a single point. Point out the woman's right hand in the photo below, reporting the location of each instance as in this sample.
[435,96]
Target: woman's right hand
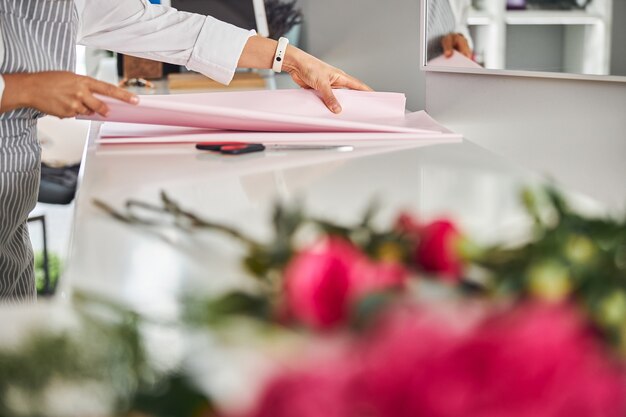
[60,93]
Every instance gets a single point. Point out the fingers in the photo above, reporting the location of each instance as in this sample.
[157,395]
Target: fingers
[79,108]
[455,41]
[462,45]
[328,97]
[347,81]
[447,42]
[112,91]
[95,105]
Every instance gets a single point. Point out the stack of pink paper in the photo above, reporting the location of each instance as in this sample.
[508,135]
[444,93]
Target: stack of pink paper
[285,111]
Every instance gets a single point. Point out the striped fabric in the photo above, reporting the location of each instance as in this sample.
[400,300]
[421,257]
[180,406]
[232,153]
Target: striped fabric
[38,35]
[441,21]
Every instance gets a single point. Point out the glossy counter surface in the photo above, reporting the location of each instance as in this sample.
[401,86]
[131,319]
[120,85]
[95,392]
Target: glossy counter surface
[150,268]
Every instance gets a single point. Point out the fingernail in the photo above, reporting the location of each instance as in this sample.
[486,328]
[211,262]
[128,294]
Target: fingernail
[134,100]
[336,108]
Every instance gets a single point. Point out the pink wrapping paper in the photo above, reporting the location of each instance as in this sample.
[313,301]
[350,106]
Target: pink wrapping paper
[268,111]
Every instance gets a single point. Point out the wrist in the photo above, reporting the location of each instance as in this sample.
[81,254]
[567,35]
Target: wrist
[291,59]
[17,91]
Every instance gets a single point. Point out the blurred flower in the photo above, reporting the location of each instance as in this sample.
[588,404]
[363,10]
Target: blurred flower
[549,280]
[317,283]
[535,361]
[318,391]
[438,250]
[322,282]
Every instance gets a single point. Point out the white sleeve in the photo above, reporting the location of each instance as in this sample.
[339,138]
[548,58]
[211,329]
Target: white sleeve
[1,86]
[461,11]
[138,28]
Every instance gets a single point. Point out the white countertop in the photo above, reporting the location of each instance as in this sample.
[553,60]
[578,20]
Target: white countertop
[133,265]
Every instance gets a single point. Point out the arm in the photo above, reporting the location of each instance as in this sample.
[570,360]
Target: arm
[135,27]
[462,10]
[306,70]
[59,93]
[201,43]
[460,40]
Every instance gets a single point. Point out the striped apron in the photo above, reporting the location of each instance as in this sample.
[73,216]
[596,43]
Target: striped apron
[440,22]
[38,35]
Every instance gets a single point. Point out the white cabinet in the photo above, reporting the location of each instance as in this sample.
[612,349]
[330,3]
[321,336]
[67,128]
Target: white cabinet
[575,41]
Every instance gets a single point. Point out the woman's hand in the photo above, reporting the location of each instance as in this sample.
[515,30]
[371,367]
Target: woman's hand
[306,70]
[60,93]
[455,42]
[310,72]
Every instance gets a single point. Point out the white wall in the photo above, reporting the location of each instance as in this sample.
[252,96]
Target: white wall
[573,131]
[376,41]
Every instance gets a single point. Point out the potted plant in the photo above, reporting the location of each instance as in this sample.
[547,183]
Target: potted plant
[284,19]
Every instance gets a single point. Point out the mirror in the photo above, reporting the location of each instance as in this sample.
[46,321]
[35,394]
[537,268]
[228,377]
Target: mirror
[554,38]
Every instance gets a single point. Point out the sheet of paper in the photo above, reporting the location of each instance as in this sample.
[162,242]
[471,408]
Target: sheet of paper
[268,111]
[349,138]
[457,60]
[130,130]
[427,129]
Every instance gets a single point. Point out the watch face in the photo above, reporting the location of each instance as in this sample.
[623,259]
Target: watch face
[237,12]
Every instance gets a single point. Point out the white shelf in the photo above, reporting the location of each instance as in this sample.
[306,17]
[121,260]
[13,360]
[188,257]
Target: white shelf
[479,18]
[584,36]
[551,17]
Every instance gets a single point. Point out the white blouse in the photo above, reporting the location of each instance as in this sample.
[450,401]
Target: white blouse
[136,27]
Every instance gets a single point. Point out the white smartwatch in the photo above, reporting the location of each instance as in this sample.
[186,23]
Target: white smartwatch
[279,56]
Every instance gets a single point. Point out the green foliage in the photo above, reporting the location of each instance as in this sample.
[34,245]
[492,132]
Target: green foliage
[569,257]
[108,352]
[54,269]
[213,311]
[173,396]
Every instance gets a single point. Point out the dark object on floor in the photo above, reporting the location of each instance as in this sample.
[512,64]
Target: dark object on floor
[46,288]
[58,185]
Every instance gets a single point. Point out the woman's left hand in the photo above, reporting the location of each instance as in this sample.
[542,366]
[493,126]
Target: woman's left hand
[310,72]
[306,70]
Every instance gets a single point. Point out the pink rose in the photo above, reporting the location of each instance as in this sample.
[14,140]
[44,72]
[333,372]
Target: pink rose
[322,282]
[318,391]
[317,283]
[437,250]
[540,360]
[534,361]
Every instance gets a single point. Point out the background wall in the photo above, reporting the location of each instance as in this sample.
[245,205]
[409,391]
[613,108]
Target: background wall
[573,131]
[376,41]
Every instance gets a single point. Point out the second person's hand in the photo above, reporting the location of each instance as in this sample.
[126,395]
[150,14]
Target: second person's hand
[455,42]
[61,93]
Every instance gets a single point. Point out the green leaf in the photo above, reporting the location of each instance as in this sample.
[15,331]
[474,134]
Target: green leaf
[370,307]
[235,303]
[174,396]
